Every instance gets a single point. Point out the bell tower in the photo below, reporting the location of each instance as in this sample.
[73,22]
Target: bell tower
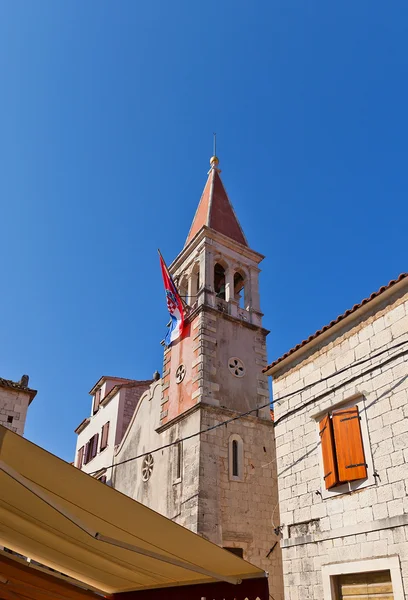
[219,360]
[214,467]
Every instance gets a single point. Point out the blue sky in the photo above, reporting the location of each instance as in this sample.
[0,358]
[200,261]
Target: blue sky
[106,116]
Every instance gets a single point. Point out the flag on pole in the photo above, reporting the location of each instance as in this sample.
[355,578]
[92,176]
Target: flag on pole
[174,305]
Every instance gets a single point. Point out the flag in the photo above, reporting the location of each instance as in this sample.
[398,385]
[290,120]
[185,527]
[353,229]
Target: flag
[174,305]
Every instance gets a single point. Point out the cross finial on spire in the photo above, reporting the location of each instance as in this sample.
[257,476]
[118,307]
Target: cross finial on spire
[214,159]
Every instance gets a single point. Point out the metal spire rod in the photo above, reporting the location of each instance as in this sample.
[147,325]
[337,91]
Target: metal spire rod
[215,144]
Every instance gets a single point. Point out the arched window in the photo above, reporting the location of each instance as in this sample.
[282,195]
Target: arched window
[219,281]
[178,461]
[239,289]
[183,289]
[236,458]
[194,284]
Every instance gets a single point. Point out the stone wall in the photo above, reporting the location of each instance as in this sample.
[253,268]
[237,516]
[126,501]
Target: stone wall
[241,513]
[322,528]
[13,409]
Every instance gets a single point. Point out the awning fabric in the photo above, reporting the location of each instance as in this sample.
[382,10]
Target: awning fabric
[63,518]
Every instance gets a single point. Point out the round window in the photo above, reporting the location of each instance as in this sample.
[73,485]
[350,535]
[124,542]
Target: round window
[180,373]
[236,367]
[147,467]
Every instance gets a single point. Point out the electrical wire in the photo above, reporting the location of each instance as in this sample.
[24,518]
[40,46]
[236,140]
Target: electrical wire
[287,414]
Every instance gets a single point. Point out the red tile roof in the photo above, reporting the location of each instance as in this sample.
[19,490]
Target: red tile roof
[335,321]
[215,211]
[13,385]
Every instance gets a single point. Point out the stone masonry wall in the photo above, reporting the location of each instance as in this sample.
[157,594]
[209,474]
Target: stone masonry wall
[241,513]
[370,522]
[13,409]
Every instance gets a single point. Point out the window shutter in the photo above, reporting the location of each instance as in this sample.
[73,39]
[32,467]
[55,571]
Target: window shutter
[104,436]
[87,452]
[328,451]
[80,459]
[95,445]
[349,444]
[97,401]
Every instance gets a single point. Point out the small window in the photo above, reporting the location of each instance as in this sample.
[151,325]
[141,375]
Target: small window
[97,400]
[236,458]
[104,436]
[9,419]
[237,551]
[178,460]
[342,447]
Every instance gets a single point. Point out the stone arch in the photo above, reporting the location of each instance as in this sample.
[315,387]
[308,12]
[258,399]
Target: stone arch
[220,273]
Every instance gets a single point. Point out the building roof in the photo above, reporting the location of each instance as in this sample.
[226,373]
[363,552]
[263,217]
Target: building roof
[340,318]
[19,387]
[215,210]
[104,378]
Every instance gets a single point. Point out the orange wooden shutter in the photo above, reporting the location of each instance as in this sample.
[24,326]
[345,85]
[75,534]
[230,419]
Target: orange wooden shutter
[328,452]
[349,444]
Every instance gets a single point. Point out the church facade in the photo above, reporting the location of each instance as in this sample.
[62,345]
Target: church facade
[200,462]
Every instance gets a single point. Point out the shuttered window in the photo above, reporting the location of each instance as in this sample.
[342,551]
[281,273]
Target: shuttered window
[87,452]
[80,457]
[94,441]
[97,400]
[342,447]
[104,436]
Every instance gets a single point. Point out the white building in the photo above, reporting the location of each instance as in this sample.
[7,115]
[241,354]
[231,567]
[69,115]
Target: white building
[114,400]
[341,426]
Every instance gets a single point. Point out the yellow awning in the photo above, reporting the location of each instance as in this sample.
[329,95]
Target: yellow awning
[63,518]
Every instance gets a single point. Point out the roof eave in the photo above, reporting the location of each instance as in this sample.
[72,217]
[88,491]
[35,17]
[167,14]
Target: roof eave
[282,364]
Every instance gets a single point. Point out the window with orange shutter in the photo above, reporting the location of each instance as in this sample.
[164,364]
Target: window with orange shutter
[342,447]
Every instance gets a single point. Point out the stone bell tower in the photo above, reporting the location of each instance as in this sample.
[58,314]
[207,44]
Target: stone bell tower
[220,358]
[213,374]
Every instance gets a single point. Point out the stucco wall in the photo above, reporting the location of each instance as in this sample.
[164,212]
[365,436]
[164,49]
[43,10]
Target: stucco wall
[372,521]
[175,500]
[13,404]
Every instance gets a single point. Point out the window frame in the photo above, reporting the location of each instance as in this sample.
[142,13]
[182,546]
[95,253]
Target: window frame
[106,425]
[391,563]
[178,461]
[97,401]
[345,488]
[240,457]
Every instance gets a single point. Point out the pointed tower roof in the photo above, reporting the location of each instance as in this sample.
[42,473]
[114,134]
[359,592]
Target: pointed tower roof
[215,210]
